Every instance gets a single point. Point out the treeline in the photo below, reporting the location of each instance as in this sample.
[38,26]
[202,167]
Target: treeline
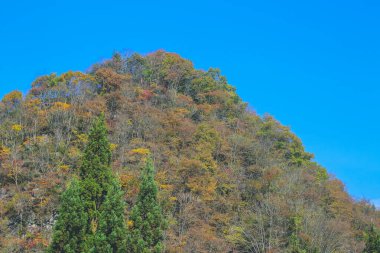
[228,180]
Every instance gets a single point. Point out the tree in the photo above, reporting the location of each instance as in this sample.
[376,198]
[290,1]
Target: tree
[372,241]
[97,198]
[229,180]
[111,232]
[95,173]
[146,223]
[70,228]
[12,100]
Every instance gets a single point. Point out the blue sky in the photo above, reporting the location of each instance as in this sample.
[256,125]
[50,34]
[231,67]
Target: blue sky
[314,65]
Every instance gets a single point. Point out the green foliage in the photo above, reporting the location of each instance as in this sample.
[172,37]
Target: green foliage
[229,179]
[97,200]
[146,222]
[372,240]
[94,171]
[285,143]
[111,229]
[98,148]
[295,243]
[322,175]
[47,81]
[70,228]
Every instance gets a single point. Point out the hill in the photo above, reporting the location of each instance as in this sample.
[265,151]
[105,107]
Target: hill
[229,180]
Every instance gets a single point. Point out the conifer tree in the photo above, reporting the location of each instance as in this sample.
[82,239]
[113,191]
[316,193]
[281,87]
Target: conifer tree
[98,199]
[146,223]
[372,241]
[70,228]
[95,173]
[111,232]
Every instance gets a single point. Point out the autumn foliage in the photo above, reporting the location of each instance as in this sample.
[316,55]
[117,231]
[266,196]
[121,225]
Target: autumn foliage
[228,180]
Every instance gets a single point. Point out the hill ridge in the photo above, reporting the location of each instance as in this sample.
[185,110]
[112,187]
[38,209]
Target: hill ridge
[230,180]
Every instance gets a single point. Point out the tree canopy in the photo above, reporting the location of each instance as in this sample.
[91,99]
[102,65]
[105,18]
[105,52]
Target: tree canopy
[227,179]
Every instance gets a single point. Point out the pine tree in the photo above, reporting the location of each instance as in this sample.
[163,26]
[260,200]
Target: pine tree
[98,199]
[95,173]
[70,228]
[111,233]
[146,223]
[372,241]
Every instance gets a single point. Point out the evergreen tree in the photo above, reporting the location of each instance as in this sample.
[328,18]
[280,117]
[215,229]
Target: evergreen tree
[70,228]
[146,223]
[95,173]
[97,198]
[372,241]
[111,232]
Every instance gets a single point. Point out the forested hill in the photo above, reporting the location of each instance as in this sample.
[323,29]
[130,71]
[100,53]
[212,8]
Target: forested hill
[229,180]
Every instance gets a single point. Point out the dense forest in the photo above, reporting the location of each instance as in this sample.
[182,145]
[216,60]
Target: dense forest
[183,161]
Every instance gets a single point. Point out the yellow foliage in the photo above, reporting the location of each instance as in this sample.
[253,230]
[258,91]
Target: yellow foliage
[61,106]
[166,187]
[141,151]
[12,96]
[75,77]
[130,224]
[41,113]
[83,138]
[44,202]
[204,186]
[113,146]
[4,151]
[172,198]
[235,235]
[16,127]
[64,167]
[94,225]
[42,139]
[127,179]
[74,152]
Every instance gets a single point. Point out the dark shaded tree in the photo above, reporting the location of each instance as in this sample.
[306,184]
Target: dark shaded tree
[147,222]
[97,198]
[372,241]
[70,228]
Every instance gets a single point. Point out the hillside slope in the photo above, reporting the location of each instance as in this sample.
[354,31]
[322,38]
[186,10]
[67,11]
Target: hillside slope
[230,180]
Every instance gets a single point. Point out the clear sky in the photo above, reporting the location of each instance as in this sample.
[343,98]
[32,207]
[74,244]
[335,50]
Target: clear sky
[314,65]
